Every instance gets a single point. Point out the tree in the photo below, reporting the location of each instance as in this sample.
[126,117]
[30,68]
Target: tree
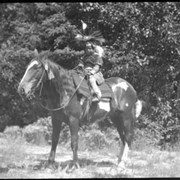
[142,46]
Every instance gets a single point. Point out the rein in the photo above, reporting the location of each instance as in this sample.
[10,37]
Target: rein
[61,107]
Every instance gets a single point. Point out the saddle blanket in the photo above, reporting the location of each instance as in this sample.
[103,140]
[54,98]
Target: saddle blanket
[84,88]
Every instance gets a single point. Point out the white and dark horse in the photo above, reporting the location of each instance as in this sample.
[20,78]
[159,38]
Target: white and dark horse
[44,76]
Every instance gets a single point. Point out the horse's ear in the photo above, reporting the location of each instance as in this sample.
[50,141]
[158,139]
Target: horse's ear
[49,72]
[36,52]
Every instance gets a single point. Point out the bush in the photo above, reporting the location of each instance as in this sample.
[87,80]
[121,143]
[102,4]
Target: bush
[4,119]
[161,125]
[93,138]
[39,132]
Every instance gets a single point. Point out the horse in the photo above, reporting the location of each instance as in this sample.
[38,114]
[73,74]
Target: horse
[56,83]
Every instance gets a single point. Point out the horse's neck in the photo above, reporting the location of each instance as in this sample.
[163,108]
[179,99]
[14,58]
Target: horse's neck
[67,82]
[62,83]
[50,91]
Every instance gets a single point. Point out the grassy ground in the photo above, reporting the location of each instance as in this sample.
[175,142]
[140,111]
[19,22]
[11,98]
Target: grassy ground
[24,152]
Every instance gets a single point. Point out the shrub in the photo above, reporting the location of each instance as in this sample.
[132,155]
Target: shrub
[38,132]
[161,125]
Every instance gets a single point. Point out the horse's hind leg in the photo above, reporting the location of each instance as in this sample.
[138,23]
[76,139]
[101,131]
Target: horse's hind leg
[128,122]
[124,124]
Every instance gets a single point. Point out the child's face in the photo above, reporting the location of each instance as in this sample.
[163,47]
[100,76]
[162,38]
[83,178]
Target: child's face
[89,48]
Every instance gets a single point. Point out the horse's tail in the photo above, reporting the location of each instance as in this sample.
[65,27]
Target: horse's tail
[138,107]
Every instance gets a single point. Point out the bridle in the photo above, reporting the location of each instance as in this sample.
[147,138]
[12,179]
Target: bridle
[40,82]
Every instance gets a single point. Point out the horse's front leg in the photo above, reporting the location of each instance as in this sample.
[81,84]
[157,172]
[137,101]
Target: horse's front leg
[74,128]
[56,126]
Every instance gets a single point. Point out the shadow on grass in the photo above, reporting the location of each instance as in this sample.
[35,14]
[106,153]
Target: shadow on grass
[83,162]
[43,164]
[4,169]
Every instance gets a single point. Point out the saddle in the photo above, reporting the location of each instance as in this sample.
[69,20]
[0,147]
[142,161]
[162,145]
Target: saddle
[85,90]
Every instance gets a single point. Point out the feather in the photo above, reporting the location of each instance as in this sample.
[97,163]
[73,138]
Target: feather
[84,25]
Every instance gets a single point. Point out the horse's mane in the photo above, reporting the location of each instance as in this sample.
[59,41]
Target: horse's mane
[63,77]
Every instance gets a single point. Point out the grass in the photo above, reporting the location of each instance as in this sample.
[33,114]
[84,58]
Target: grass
[13,151]
[23,150]
[12,156]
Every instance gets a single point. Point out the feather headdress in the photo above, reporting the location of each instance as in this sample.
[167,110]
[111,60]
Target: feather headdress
[93,36]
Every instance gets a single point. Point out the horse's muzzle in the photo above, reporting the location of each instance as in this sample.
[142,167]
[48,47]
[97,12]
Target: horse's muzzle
[21,90]
[29,95]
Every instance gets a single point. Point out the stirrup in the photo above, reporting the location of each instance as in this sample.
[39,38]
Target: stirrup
[95,99]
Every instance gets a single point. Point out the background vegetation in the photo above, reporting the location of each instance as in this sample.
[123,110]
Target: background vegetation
[142,46]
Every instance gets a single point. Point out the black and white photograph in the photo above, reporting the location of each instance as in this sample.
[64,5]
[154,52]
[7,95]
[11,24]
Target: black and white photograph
[89,90]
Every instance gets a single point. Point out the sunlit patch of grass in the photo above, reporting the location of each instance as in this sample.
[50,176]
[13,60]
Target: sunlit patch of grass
[12,152]
[98,151]
[144,139]
[15,175]
[159,170]
[156,164]
[175,169]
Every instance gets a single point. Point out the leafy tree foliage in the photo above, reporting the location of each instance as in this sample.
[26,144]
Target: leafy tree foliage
[142,46]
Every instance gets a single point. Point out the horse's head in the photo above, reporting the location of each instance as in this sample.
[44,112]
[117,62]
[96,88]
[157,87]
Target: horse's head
[36,73]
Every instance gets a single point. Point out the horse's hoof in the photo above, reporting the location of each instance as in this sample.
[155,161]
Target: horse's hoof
[124,163]
[116,169]
[121,166]
[113,170]
[51,165]
[72,167]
